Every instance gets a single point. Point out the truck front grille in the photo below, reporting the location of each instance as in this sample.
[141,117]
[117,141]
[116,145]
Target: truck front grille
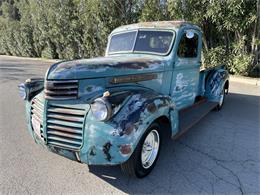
[37,114]
[65,125]
[61,90]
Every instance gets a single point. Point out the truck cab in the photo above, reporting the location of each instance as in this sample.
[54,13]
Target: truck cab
[114,109]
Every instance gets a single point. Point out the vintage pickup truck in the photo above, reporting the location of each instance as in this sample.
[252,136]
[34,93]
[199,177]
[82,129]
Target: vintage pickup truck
[114,110]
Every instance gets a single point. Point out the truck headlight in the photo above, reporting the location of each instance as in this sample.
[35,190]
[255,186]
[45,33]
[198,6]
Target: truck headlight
[22,91]
[101,109]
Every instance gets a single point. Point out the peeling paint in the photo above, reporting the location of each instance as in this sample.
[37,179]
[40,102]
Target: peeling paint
[106,149]
[93,88]
[180,82]
[104,66]
[155,25]
[125,149]
[151,107]
[215,83]
[129,128]
[144,88]
[92,151]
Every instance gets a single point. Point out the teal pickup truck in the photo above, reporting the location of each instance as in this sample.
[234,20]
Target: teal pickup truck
[114,110]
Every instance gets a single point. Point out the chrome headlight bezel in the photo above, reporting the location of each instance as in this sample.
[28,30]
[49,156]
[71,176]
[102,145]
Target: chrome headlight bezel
[30,88]
[101,109]
[22,91]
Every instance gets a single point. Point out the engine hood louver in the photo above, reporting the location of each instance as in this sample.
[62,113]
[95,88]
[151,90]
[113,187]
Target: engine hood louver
[61,90]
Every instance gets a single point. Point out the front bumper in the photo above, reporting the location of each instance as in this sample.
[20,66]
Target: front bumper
[66,131]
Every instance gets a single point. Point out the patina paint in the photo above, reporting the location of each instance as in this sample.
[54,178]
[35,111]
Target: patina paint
[106,67]
[216,83]
[141,89]
[123,132]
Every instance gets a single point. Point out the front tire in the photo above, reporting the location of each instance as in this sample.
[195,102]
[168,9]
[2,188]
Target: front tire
[144,158]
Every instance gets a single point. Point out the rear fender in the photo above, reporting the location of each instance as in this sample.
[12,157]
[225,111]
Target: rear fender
[217,80]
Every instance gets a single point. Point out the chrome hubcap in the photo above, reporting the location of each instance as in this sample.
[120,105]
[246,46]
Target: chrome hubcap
[150,149]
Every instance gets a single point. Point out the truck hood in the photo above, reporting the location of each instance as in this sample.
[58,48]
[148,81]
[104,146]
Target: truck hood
[105,67]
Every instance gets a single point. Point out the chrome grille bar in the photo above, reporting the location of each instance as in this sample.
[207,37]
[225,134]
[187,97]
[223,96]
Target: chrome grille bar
[37,109]
[65,125]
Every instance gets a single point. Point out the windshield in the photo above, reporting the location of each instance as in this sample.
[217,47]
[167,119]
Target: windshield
[143,41]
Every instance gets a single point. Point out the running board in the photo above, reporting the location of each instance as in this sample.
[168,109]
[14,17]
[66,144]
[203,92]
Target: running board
[193,114]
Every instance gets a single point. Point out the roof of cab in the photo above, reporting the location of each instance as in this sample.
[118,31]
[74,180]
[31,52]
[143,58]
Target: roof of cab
[157,25]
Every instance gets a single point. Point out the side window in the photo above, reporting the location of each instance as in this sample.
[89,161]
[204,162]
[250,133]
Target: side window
[188,47]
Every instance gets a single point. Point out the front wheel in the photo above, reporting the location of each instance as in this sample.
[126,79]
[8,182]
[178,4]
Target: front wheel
[144,158]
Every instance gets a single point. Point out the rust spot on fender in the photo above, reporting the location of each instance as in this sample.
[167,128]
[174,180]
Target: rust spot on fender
[129,128]
[92,151]
[89,88]
[151,107]
[106,149]
[125,149]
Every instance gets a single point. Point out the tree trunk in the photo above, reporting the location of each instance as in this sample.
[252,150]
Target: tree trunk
[256,34]
[255,28]
[211,44]
[227,39]
[204,40]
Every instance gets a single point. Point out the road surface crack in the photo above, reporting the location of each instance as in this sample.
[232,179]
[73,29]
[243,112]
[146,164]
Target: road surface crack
[219,162]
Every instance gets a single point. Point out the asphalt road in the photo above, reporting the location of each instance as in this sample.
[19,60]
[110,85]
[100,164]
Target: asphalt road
[220,155]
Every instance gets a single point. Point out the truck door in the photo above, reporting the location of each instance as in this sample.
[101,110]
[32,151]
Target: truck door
[185,77]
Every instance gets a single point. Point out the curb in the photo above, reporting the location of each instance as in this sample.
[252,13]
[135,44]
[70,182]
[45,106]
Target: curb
[29,58]
[241,79]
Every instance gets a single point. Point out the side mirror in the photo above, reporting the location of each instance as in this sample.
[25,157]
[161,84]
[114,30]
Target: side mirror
[189,34]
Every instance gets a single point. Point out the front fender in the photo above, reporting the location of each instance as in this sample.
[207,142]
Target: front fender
[114,141]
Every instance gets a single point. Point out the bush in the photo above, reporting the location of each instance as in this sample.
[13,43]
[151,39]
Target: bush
[237,61]
[47,52]
[214,57]
[255,71]
[240,64]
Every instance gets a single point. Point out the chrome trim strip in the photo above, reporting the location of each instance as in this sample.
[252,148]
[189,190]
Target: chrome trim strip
[133,78]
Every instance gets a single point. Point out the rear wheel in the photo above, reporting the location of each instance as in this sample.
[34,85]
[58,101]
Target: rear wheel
[221,101]
[144,158]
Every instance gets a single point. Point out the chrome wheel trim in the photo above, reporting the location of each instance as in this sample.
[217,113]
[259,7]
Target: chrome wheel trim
[150,149]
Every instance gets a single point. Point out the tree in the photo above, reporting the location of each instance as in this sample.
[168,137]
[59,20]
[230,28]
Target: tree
[70,29]
[154,10]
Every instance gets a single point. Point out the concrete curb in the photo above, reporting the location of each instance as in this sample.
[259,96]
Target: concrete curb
[247,80]
[29,58]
